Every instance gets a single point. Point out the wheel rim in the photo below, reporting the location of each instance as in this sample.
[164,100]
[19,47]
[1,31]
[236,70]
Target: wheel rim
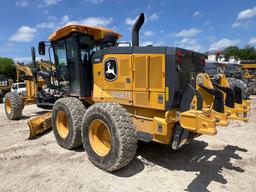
[62,124]
[100,137]
[8,106]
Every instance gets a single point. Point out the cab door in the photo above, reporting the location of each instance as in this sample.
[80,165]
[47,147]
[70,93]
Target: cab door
[62,69]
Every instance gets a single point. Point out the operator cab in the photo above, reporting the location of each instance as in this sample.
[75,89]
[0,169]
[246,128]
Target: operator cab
[73,47]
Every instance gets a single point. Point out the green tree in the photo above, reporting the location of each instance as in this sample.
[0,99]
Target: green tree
[246,53]
[231,51]
[7,67]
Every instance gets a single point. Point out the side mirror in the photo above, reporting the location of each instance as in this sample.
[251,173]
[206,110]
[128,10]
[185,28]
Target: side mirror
[41,48]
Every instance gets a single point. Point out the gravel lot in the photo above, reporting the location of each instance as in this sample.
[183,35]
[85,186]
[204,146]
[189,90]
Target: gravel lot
[225,162]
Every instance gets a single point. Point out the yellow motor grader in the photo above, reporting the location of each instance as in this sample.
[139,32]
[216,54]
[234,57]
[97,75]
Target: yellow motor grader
[34,83]
[106,97]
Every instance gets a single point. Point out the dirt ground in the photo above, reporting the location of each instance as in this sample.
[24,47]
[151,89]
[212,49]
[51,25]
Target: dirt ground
[225,162]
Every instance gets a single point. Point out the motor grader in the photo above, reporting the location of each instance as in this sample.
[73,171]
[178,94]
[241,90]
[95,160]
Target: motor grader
[36,92]
[107,97]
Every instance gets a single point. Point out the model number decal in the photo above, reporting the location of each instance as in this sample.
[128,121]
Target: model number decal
[121,95]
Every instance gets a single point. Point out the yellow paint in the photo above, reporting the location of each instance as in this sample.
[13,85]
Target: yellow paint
[198,121]
[140,88]
[31,90]
[8,106]
[124,72]
[99,137]
[96,32]
[39,124]
[46,66]
[208,99]
[223,81]
[140,76]
[167,94]
[237,114]
[143,125]
[221,119]
[62,124]
[204,79]
[249,66]
[162,131]
[240,110]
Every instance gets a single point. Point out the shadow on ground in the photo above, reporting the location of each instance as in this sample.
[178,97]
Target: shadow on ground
[193,157]
[35,114]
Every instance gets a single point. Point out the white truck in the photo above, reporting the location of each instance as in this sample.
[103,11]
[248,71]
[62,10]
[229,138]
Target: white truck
[19,88]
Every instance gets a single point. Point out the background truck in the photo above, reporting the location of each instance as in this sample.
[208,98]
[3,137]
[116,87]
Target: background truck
[19,88]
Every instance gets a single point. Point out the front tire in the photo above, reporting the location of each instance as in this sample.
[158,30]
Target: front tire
[13,105]
[109,136]
[67,115]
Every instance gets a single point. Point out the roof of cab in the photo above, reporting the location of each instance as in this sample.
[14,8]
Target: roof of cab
[96,32]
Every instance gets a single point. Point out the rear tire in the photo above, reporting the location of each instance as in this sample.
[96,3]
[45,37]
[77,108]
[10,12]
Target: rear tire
[67,115]
[13,105]
[120,146]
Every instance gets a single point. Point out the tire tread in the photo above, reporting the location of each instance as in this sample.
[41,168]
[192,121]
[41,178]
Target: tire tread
[17,106]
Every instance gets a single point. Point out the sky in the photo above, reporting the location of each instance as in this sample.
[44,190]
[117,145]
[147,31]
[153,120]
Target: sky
[201,25]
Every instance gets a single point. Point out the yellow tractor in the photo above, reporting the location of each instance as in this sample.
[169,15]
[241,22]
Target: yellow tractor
[14,103]
[107,97]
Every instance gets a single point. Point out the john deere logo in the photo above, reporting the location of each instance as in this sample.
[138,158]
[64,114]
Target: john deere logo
[110,68]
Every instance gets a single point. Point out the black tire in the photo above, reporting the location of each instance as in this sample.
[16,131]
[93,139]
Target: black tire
[122,131]
[253,87]
[13,106]
[240,84]
[74,110]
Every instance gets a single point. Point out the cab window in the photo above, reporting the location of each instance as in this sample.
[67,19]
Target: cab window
[22,85]
[61,53]
[88,46]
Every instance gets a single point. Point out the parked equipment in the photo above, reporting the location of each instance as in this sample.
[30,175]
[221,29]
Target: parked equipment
[235,105]
[35,87]
[107,97]
[249,74]
[232,71]
[5,86]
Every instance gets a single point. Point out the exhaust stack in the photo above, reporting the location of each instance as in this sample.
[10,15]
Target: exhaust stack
[136,28]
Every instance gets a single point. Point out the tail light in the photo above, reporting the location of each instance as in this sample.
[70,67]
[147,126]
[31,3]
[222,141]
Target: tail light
[179,55]
[202,60]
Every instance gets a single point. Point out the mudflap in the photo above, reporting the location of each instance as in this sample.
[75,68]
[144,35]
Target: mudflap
[181,136]
[39,124]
